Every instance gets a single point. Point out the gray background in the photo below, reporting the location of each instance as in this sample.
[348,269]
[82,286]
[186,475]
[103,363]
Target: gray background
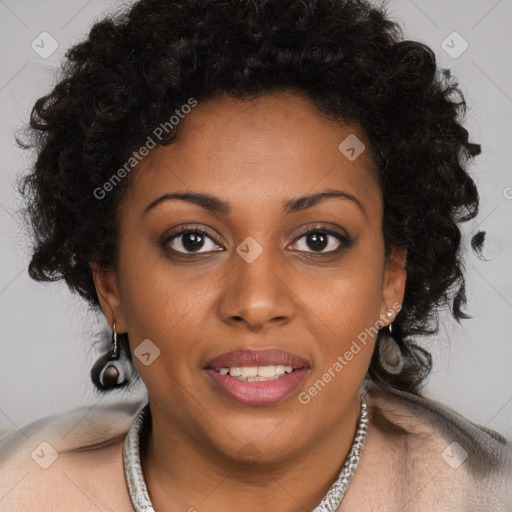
[46,333]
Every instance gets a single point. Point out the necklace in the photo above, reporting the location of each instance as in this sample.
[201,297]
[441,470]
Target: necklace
[330,502]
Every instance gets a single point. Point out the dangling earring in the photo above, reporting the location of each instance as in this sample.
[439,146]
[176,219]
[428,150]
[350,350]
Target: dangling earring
[390,355]
[109,376]
[113,369]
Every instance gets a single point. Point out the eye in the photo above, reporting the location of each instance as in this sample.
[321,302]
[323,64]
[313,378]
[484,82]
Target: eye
[321,240]
[190,241]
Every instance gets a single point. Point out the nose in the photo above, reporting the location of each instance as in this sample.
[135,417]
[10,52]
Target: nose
[257,294]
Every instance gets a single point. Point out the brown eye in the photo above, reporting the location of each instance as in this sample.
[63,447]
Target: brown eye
[319,239]
[191,241]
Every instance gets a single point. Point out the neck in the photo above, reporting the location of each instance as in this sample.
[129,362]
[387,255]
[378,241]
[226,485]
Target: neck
[185,473]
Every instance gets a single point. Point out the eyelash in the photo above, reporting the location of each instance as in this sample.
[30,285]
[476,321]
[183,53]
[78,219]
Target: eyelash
[345,241]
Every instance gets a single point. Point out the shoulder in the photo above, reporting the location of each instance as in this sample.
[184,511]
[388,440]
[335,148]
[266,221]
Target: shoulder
[74,457]
[4,433]
[487,450]
[457,460]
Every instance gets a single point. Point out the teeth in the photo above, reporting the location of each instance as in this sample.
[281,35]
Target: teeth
[235,371]
[256,373]
[267,371]
[249,371]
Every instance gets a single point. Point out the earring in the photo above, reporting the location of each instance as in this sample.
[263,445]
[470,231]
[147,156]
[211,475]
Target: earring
[390,355]
[109,376]
[115,350]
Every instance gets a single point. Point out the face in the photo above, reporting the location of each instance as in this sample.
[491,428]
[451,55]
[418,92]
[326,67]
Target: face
[262,270]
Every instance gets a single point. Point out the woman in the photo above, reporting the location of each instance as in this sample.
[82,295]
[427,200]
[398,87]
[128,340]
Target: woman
[263,198]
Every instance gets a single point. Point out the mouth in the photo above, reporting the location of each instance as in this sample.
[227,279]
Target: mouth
[257,377]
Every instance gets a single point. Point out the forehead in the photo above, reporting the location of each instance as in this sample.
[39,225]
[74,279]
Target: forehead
[265,148]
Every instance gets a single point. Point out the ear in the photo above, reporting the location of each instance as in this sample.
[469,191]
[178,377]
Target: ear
[393,288]
[107,288]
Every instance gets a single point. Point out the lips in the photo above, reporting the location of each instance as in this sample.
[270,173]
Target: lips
[263,392]
[266,393]
[251,358]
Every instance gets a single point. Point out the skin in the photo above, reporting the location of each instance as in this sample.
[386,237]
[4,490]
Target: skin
[256,156]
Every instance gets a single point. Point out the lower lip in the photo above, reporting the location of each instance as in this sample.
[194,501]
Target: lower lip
[258,392]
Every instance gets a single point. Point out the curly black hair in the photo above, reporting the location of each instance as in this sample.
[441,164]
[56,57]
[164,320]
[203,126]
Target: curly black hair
[138,67]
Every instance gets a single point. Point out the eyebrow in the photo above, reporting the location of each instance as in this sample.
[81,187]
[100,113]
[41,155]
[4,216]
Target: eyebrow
[216,205]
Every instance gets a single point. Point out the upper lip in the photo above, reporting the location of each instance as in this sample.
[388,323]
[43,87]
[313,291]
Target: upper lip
[268,357]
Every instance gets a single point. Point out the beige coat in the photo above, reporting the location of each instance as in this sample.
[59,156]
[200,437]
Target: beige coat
[445,463]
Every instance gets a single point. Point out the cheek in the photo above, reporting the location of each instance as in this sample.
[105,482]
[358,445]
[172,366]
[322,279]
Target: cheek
[168,304]
[348,299]
[345,339]
[155,294]
[343,311]
[159,309]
